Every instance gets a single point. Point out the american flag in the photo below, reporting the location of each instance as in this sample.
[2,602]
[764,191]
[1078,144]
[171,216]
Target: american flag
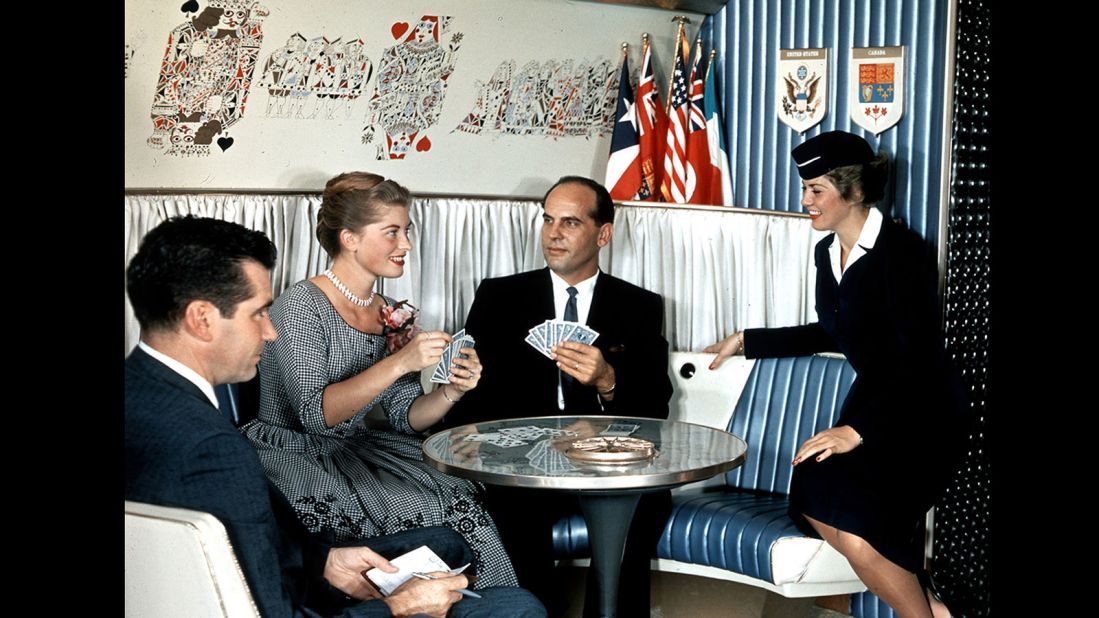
[674,184]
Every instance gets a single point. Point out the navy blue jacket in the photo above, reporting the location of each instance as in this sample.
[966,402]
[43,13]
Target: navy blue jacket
[181,452]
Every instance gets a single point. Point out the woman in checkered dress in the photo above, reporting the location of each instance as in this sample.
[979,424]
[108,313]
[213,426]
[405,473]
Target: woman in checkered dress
[333,362]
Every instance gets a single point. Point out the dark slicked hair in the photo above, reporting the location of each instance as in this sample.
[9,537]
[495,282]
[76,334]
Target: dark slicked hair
[604,205]
[189,258]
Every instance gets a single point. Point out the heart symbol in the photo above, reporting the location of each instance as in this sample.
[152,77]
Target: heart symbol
[225,143]
[398,29]
[191,6]
[423,145]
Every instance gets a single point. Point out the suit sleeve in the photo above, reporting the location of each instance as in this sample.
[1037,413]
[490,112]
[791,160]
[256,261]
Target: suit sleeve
[787,341]
[642,386]
[217,482]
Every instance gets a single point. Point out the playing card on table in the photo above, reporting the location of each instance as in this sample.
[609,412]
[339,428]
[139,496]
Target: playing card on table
[505,441]
[480,437]
[530,432]
[620,429]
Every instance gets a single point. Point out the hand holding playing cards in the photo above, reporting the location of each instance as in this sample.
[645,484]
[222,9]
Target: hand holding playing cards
[585,363]
[424,350]
[465,372]
[344,566]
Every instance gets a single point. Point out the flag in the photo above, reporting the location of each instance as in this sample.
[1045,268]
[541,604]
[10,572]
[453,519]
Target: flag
[652,122]
[624,164]
[674,184]
[697,187]
[721,184]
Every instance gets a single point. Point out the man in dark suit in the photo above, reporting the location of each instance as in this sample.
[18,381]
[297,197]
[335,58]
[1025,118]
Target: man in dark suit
[200,289]
[624,373]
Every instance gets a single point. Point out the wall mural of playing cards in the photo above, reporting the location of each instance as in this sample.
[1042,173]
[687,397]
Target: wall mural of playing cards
[411,86]
[233,95]
[556,98]
[315,78]
[206,75]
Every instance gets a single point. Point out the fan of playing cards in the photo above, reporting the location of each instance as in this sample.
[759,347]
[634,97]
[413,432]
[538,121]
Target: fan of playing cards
[552,332]
[458,341]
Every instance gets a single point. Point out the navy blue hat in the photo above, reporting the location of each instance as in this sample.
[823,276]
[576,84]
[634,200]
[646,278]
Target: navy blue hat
[821,154]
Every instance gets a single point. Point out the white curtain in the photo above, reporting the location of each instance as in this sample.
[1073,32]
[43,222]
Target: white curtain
[718,271]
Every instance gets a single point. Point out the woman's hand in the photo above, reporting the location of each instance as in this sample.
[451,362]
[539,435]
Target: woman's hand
[465,373]
[829,442]
[424,350]
[727,347]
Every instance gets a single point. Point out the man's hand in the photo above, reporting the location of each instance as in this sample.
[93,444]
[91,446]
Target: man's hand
[431,597]
[345,565]
[585,363]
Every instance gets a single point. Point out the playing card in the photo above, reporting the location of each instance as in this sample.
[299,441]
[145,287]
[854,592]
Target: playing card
[565,330]
[480,437]
[504,441]
[536,343]
[583,334]
[620,429]
[529,432]
[546,331]
[440,374]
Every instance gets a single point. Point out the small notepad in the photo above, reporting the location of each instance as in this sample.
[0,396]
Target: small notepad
[419,560]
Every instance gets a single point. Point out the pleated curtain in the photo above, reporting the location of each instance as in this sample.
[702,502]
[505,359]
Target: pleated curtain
[718,270]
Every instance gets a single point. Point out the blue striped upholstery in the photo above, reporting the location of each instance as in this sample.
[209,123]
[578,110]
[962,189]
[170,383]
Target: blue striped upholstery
[868,605]
[785,401]
[731,530]
[570,537]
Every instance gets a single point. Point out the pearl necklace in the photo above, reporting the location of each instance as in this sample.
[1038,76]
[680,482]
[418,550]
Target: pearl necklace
[346,292]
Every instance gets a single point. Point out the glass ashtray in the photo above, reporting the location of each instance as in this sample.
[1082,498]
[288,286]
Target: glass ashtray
[611,450]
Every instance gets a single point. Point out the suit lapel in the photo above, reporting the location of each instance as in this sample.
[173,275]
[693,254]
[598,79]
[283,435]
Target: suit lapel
[543,298]
[144,363]
[600,297]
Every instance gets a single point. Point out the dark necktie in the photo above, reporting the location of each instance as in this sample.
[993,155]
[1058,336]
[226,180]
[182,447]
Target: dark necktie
[226,402]
[570,316]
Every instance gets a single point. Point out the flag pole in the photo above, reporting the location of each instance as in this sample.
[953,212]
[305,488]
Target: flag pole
[682,19]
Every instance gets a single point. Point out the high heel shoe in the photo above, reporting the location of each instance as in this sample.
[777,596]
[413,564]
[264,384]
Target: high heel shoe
[928,585]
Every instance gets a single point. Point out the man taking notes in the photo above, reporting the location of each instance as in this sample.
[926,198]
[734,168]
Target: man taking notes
[200,289]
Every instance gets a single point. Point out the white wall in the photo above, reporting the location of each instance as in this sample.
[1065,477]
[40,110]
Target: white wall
[277,153]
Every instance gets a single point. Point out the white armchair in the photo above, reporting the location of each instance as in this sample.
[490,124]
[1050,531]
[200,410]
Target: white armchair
[180,563]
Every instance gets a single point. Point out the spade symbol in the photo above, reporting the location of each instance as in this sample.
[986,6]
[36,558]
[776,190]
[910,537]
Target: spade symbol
[225,143]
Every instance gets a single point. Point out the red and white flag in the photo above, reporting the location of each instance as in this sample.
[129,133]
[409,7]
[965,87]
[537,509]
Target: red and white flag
[698,147]
[624,163]
[652,123]
[674,184]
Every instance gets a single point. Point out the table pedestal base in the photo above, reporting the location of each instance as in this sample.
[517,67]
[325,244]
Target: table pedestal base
[608,516]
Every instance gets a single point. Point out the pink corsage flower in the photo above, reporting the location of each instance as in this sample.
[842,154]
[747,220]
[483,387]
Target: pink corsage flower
[399,325]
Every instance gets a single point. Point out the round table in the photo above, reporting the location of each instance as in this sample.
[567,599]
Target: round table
[530,452]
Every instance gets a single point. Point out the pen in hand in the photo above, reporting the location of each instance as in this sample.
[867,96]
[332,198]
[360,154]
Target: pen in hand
[467,593]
